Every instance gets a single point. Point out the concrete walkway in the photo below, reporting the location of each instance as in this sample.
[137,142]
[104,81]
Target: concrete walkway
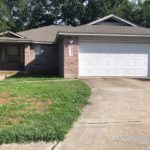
[117,119]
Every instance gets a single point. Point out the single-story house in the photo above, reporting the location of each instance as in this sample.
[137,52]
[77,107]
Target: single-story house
[110,46]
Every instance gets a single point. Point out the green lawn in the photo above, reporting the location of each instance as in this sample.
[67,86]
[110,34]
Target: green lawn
[39,111]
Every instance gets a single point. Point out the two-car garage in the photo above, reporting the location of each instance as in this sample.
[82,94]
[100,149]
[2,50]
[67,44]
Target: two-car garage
[114,59]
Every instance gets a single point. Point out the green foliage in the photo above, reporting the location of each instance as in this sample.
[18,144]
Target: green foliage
[39,13]
[3,16]
[100,8]
[20,15]
[69,11]
[42,111]
[144,14]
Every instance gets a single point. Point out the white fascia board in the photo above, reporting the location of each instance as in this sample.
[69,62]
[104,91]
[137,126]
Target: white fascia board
[15,34]
[112,16]
[99,34]
[43,42]
[18,35]
[15,41]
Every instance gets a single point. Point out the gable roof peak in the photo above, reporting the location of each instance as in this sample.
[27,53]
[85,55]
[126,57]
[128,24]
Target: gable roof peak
[12,33]
[115,17]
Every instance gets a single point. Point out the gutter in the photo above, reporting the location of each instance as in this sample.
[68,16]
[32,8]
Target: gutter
[15,41]
[73,34]
[25,41]
[42,42]
[100,34]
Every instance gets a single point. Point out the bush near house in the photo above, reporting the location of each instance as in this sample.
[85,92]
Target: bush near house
[39,111]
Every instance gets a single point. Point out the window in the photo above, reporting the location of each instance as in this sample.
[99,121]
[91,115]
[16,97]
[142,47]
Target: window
[21,54]
[2,54]
[12,54]
[38,52]
[70,51]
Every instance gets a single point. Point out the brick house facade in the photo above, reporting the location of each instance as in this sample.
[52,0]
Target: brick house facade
[48,59]
[94,49]
[71,60]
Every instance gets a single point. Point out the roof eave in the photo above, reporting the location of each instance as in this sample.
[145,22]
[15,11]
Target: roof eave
[25,41]
[100,34]
[43,42]
[15,41]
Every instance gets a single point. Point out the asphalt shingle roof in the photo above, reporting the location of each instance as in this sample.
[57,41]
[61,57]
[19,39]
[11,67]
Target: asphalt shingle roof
[45,34]
[48,33]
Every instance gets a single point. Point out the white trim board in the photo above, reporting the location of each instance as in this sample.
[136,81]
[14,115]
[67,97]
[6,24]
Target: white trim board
[119,19]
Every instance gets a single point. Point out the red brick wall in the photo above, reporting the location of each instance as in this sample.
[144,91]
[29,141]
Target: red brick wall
[49,59]
[71,62]
[49,56]
[27,57]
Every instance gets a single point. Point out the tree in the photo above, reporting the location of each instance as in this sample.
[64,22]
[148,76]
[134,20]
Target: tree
[3,17]
[39,13]
[20,15]
[100,8]
[69,11]
[27,14]
[15,10]
[144,14]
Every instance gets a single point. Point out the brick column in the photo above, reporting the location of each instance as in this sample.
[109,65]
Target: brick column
[71,61]
[27,58]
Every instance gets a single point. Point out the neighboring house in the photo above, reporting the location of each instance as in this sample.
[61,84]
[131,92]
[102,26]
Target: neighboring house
[110,46]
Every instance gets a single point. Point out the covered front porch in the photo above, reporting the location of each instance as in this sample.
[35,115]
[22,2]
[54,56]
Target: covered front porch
[11,57]
[12,52]
[21,55]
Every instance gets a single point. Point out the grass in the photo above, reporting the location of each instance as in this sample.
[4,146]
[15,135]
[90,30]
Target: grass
[32,78]
[45,111]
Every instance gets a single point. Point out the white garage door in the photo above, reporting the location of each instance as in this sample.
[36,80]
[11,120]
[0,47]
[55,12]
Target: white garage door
[113,59]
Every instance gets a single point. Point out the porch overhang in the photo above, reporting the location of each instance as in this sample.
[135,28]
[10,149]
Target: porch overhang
[11,37]
[14,40]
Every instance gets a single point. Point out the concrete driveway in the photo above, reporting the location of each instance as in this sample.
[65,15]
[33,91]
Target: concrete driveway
[117,119]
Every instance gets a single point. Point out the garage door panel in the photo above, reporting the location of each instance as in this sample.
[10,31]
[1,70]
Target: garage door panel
[112,59]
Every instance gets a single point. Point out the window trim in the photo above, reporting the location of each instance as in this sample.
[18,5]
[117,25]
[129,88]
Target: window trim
[37,60]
